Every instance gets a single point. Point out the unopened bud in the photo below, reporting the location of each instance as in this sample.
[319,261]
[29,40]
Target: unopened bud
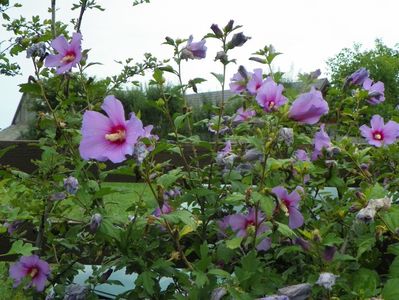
[216,30]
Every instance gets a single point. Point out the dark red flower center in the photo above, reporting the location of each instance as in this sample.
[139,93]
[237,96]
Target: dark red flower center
[33,272]
[69,57]
[378,135]
[117,134]
[249,223]
[272,104]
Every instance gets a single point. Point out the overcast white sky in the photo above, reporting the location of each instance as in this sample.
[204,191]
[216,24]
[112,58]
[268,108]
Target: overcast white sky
[308,32]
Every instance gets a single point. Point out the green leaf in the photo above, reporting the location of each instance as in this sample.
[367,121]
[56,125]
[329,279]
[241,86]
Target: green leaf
[220,273]
[158,76]
[365,282]
[18,247]
[285,230]
[146,279]
[267,203]
[234,243]
[235,199]
[179,120]
[394,268]
[167,180]
[365,245]
[391,290]
[219,77]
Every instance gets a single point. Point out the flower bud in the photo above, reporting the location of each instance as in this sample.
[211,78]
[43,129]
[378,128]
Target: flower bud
[229,26]
[329,252]
[76,292]
[216,30]
[316,235]
[238,40]
[71,185]
[298,291]
[95,222]
[218,293]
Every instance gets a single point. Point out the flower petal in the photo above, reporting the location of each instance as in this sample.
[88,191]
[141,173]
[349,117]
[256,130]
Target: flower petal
[114,109]
[295,218]
[377,123]
[280,192]
[60,44]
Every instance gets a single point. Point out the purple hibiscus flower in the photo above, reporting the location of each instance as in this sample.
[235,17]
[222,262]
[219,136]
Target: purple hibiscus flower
[242,225]
[238,83]
[255,82]
[109,137]
[270,95]
[376,91]
[357,78]
[301,155]
[380,134]
[290,204]
[193,50]
[321,140]
[308,107]
[243,115]
[69,55]
[164,210]
[33,267]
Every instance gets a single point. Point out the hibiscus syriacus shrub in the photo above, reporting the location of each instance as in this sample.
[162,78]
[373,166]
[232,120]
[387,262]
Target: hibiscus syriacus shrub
[289,200]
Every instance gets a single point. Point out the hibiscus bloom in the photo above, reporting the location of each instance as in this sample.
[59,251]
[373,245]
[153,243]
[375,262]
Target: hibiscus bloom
[308,107]
[357,78]
[68,56]
[255,82]
[109,137]
[380,134]
[270,95]
[290,204]
[238,83]
[195,50]
[243,225]
[30,266]
[244,114]
[376,91]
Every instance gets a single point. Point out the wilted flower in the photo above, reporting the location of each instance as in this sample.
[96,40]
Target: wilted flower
[226,157]
[71,185]
[274,297]
[270,95]
[358,77]
[150,136]
[95,222]
[69,55]
[244,114]
[173,193]
[286,135]
[255,82]
[109,137]
[76,292]
[164,210]
[237,40]
[298,291]
[239,81]
[193,50]
[58,196]
[315,74]
[36,50]
[308,107]
[140,152]
[290,205]
[380,134]
[376,91]
[252,154]
[33,267]
[243,225]
[222,56]
[218,293]
[327,280]
[367,213]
